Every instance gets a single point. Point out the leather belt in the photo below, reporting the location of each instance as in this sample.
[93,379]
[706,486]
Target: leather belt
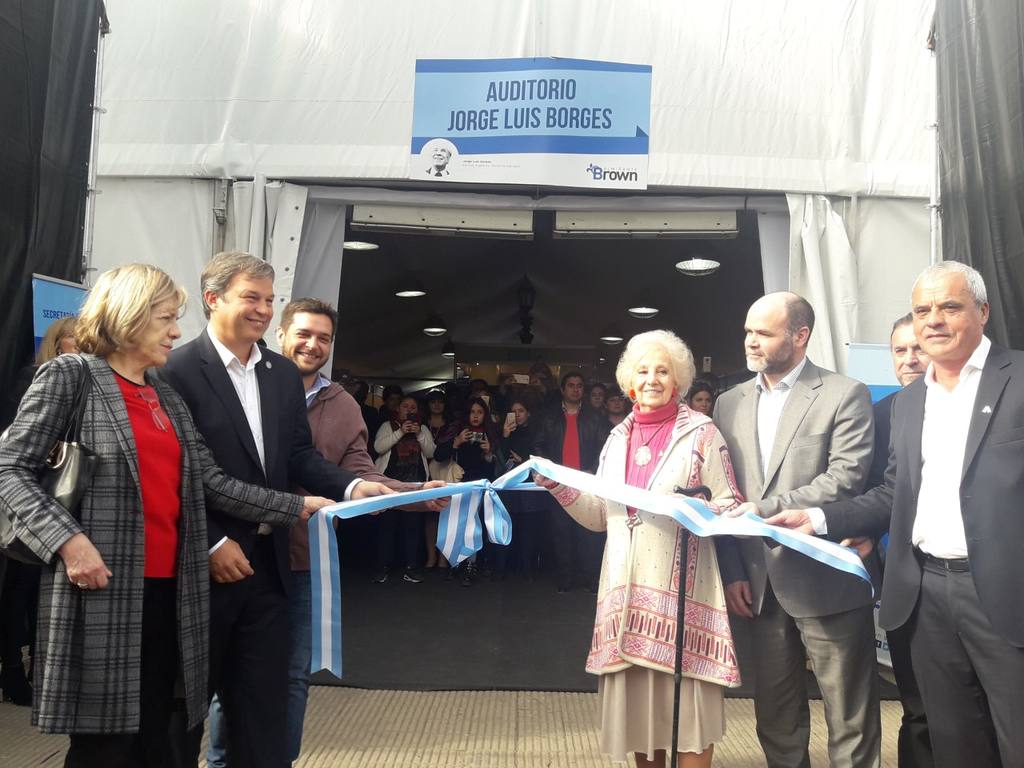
[954,564]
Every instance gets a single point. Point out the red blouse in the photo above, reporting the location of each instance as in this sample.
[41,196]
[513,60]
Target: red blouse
[159,475]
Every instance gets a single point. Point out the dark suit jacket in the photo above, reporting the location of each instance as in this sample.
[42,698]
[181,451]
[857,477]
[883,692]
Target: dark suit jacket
[591,431]
[197,373]
[880,457]
[991,489]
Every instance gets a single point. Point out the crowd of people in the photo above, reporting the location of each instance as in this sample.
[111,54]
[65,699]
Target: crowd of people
[484,431]
[178,587]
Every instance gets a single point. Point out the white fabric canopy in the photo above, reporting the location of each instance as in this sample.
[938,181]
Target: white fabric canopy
[794,95]
[856,264]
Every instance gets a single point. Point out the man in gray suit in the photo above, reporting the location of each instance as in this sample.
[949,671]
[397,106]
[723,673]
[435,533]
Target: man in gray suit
[800,436]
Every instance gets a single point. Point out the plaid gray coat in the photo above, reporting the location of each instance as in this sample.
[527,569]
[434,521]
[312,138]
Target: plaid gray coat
[88,643]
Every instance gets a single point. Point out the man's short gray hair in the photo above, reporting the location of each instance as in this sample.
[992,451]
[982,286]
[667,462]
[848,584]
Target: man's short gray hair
[975,282]
[223,267]
[679,355]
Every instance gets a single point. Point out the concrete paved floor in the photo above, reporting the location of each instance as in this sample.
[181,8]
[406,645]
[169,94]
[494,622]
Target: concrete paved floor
[353,728]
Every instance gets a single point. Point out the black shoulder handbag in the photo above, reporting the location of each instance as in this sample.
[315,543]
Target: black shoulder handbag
[66,476]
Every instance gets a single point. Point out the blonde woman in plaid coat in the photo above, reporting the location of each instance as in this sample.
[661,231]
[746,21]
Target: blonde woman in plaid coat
[123,609]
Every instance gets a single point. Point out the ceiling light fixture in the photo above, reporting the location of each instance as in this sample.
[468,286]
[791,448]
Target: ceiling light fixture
[410,288]
[448,350]
[434,326]
[612,337]
[697,267]
[359,245]
[642,312]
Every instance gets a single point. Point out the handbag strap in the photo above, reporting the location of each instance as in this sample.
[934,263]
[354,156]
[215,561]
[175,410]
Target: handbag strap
[73,432]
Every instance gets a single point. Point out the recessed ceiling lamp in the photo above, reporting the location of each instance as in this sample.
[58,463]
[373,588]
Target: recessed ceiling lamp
[612,337]
[697,267]
[434,326]
[448,350]
[410,289]
[642,312]
[359,245]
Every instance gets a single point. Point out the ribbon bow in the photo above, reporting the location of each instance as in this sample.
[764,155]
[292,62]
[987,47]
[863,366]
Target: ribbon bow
[460,534]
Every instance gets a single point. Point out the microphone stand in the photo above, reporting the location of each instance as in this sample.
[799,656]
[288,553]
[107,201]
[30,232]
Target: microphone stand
[696,492]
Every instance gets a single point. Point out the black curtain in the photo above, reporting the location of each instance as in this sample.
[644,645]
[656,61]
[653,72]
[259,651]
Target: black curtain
[48,61]
[979,47]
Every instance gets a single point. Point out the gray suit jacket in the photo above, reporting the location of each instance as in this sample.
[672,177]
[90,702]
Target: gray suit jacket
[822,453]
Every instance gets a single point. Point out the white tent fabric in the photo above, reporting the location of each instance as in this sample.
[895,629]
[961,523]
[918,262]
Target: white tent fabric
[856,264]
[773,232]
[319,258]
[795,95]
[167,222]
[823,269]
[170,223]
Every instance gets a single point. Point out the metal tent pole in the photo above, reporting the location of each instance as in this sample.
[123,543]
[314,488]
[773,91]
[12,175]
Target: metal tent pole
[103,29]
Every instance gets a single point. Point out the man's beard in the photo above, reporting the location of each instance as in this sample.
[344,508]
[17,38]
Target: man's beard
[304,365]
[780,362]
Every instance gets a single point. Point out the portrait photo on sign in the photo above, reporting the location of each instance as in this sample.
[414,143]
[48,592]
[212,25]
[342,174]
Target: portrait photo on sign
[440,158]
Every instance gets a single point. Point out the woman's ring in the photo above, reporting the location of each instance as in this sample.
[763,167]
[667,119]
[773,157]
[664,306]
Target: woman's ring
[81,585]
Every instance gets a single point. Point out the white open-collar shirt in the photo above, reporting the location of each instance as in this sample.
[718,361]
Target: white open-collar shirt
[939,523]
[770,402]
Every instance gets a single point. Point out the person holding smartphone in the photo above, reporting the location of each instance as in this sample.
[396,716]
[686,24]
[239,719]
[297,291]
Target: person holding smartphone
[472,444]
[527,510]
[404,445]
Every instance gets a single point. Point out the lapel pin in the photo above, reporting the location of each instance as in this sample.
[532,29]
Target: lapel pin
[269,366]
[987,409]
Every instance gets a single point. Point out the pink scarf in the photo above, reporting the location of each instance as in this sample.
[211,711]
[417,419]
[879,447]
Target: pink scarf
[653,429]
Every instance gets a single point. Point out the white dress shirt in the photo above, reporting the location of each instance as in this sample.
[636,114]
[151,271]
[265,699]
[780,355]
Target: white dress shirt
[939,524]
[243,379]
[770,402]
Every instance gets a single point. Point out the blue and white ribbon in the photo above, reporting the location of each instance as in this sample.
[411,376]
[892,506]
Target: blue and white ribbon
[460,533]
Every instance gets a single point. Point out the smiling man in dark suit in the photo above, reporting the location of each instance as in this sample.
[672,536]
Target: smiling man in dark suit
[951,502]
[250,407]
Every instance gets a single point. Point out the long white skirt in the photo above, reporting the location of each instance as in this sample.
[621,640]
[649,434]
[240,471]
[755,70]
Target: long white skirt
[636,713]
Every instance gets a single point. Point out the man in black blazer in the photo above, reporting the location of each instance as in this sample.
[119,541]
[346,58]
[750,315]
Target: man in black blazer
[909,361]
[577,551]
[249,405]
[951,504]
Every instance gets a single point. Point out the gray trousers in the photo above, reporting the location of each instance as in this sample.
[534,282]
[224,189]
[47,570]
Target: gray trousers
[842,651]
[971,679]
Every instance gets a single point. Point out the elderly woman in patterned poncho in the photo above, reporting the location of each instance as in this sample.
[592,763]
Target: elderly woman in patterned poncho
[123,606]
[660,445]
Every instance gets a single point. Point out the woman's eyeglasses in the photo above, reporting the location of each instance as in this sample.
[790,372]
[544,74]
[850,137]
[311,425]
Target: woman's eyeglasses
[149,397]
